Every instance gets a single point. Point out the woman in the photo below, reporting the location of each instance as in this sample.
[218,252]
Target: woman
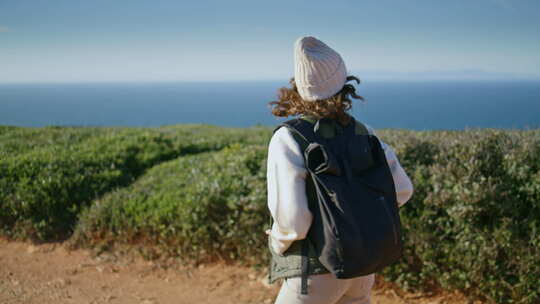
[318,90]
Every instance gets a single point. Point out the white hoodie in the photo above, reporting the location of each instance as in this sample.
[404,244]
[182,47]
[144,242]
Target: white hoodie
[287,198]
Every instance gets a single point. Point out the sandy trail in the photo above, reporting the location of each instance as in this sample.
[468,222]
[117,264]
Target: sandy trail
[50,273]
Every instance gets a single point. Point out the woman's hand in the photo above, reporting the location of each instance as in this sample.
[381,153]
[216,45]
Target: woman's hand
[268,231]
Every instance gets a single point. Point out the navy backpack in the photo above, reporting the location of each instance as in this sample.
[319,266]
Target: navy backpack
[356,229]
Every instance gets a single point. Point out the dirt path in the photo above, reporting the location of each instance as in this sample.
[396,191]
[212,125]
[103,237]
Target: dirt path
[51,274]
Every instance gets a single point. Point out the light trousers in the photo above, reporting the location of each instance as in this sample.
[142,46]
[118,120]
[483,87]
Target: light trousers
[326,289]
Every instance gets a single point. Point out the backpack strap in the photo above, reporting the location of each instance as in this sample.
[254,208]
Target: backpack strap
[303,133]
[300,129]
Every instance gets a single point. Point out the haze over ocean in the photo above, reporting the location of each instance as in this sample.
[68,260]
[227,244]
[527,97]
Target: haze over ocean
[418,105]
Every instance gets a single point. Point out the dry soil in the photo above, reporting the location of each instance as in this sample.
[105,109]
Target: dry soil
[50,273]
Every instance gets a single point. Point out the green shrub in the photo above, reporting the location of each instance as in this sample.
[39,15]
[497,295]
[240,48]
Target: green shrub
[43,189]
[199,207]
[18,140]
[473,222]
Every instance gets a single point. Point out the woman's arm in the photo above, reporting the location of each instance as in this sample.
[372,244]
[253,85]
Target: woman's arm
[404,187]
[287,198]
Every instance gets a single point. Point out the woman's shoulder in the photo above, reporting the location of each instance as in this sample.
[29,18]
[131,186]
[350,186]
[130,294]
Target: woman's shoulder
[284,149]
[282,137]
[369,129]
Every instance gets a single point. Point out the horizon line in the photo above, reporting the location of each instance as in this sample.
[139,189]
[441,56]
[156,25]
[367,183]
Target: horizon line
[363,79]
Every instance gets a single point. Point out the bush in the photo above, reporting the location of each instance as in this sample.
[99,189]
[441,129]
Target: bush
[18,140]
[43,190]
[199,207]
[473,222]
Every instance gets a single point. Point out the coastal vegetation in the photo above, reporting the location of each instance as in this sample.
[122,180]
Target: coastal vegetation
[198,193]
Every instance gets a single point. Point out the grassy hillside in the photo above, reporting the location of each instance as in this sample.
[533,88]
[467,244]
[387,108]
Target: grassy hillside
[199,193]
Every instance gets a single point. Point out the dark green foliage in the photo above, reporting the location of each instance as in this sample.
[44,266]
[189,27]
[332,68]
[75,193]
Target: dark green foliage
[48,177]
[199,207]
[473,223]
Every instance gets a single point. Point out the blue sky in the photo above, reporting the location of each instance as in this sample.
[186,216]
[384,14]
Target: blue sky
[72,41]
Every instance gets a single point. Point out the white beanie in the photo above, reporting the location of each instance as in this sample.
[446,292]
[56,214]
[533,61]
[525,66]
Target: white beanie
[319,71]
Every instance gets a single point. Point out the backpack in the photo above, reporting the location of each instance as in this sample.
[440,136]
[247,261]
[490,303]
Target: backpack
[356,229]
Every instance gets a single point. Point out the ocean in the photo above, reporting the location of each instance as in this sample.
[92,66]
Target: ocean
[417,105]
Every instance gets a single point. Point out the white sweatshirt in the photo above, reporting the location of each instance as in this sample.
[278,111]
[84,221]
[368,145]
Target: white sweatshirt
[287,198]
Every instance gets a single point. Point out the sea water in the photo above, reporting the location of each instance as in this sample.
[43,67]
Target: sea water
[418,105]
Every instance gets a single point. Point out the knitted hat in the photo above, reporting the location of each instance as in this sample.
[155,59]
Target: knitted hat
[319,71]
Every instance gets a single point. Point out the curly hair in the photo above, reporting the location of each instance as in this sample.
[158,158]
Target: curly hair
[290,103]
